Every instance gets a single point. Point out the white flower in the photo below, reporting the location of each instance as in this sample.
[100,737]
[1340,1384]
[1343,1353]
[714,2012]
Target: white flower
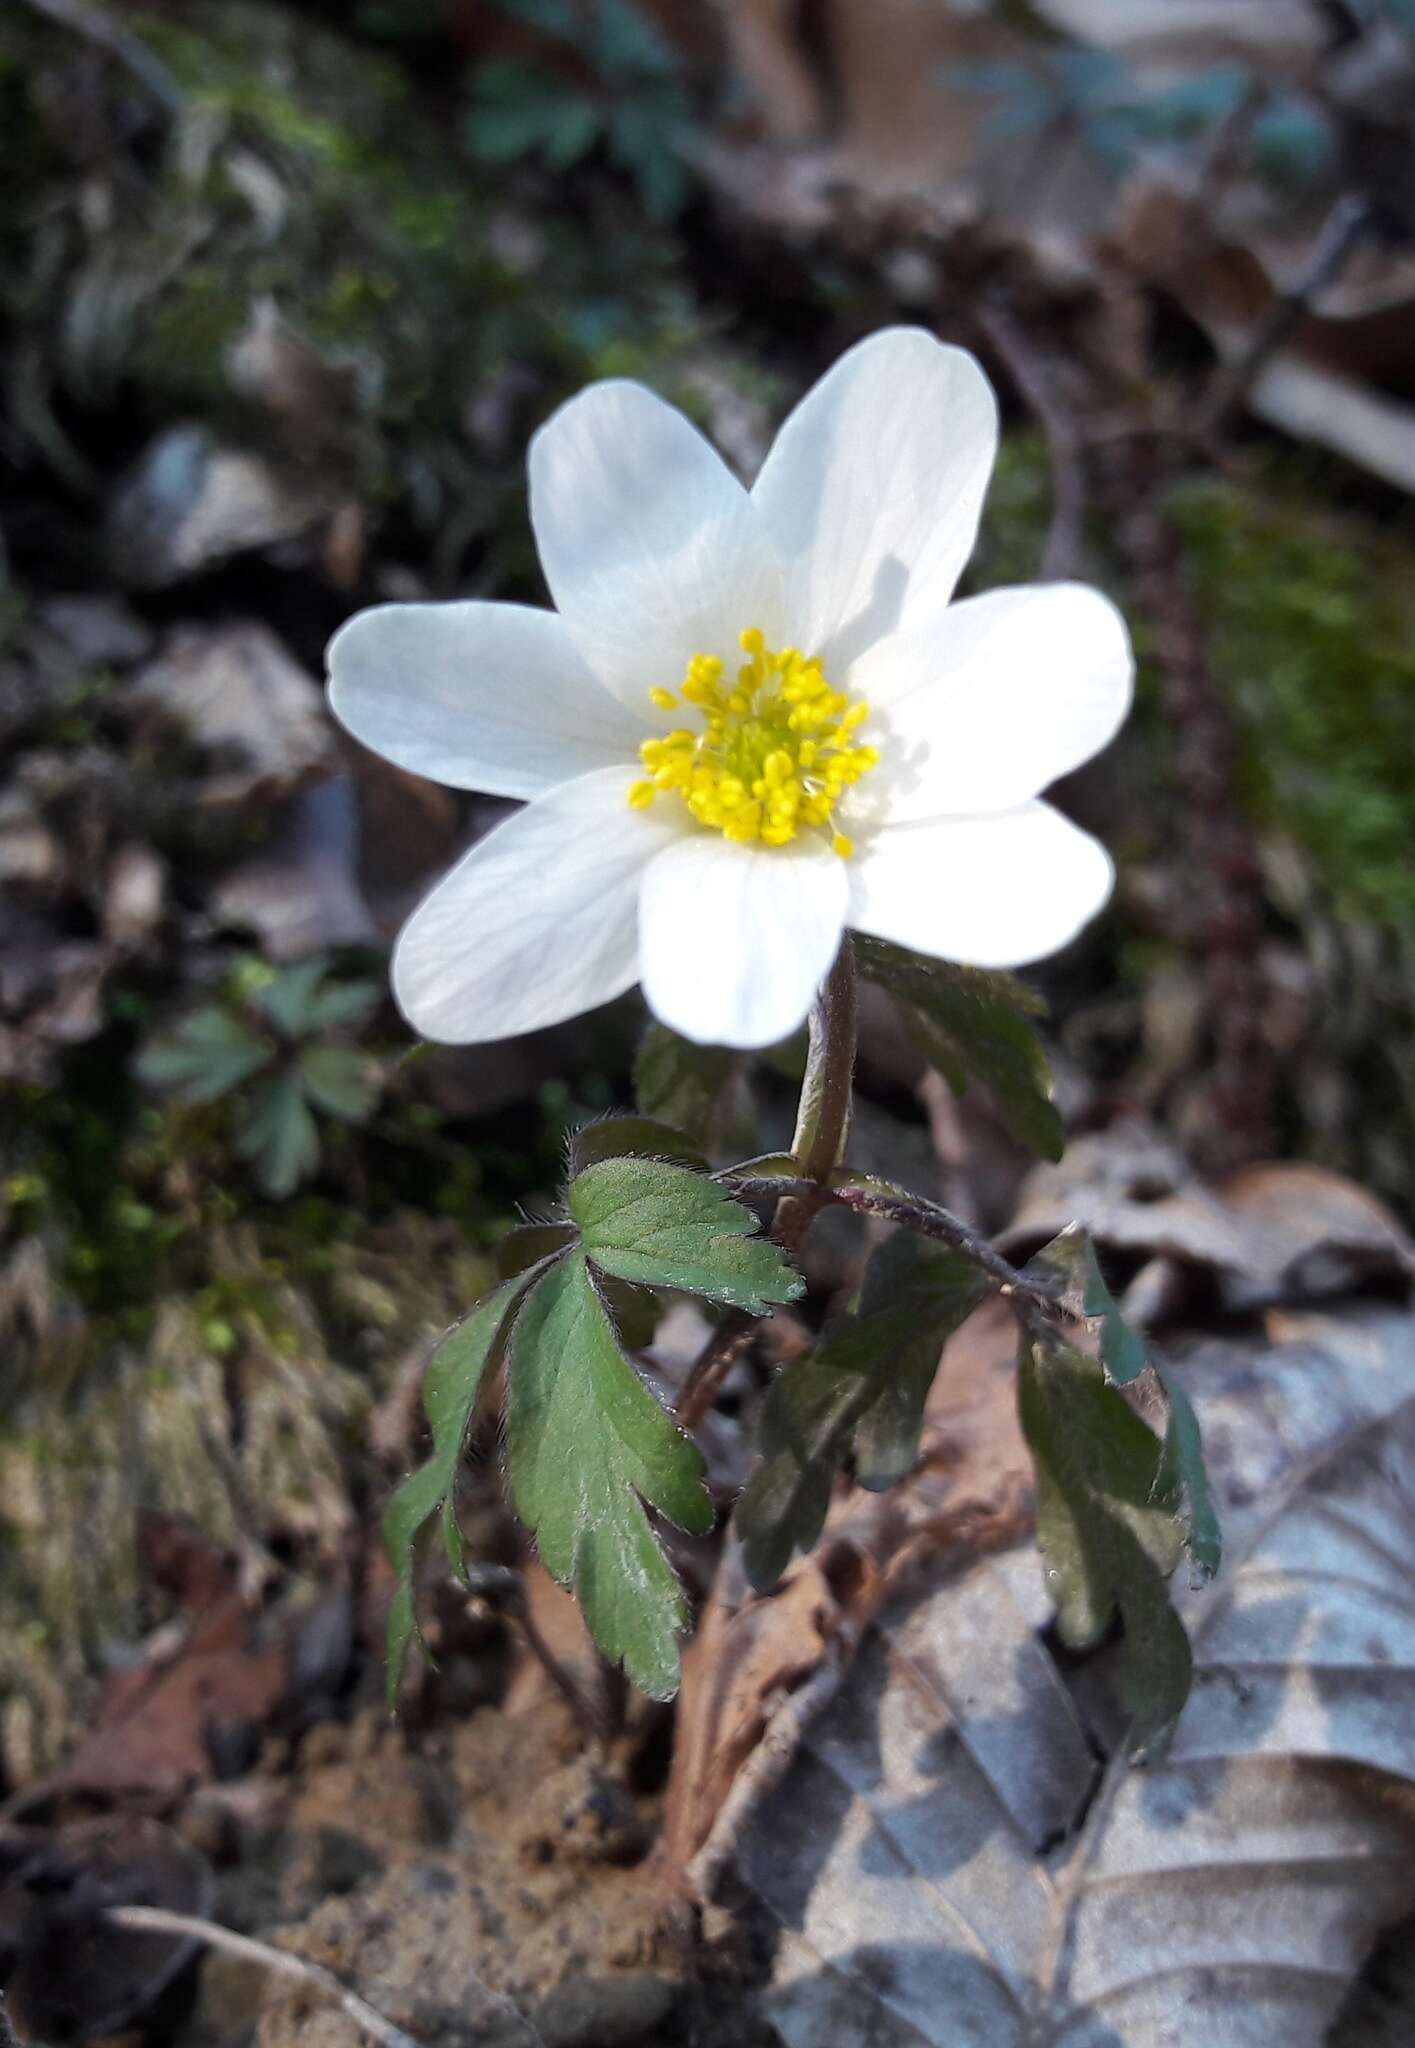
[753,720]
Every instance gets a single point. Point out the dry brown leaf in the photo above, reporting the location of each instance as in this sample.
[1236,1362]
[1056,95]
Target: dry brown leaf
[939,1867]
[1278,1232]
[745,1666]
[165,1724]
[246,702]
[191,503]
[301,892]
[1201,32]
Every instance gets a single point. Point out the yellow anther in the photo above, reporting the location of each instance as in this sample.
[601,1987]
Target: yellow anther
[774,754]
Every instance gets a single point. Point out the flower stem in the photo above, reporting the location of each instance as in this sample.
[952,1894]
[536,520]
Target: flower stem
[822,1120]
[823,1114]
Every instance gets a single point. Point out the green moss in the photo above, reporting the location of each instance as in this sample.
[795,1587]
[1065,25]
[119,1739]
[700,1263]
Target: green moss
[1015,516]
[1313,634]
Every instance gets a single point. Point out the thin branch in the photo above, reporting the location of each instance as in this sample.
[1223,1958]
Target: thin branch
[1345,226]
[1061,554]
[712,1365]
[501,1588]
[85,19]
[156,1920]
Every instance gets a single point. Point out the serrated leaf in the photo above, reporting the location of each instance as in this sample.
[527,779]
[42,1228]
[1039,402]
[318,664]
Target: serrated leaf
[287,998]
[663,1226]
[974,1024]
[915,1295]
[1070,1266]
[864,1387]
[1110,1534]
[806,1423]
[342,1003]
[587,1445]
[638,1137]
[519,108]
[210,1053]
[339,1080]
[453,1379]
[683,1084]
[280,1137]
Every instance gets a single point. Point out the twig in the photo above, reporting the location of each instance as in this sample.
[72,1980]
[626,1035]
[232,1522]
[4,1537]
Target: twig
[1061,554]
[502,1588]
[1344,227]
[712,1365]
[96,26]
[156,1920]
[767,1766]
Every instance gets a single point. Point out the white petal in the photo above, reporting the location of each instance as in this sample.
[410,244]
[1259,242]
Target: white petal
[495,697]
[652,549]
[990,892]
[737,939]
[872,491]
[538,922]
[1005,694]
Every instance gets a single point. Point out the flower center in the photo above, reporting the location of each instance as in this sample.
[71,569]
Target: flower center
[775,752]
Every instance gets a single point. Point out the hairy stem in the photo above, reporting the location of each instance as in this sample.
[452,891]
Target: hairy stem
[823,1113]
[930,1219]
[822,1121]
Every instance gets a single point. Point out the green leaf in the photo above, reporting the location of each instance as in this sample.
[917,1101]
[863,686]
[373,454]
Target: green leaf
[972,1024]
[683,1084]
[572,134]
[339,1080]
[519,108]
[455,1373]
[864,1386]
[280,1138]
[806,1423]
[1069,1266]
[640,1137]
[1106,1525]
[210,1053]
[287,999]
[915,1295]
[587,1445]
[342,1003]
[664,1226]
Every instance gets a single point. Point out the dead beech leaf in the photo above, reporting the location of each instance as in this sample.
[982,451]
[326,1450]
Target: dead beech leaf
[191,503]
[971,1493]
[1201,32]
[1280,1232]
[176,1718]
[301,891]
[246,702]
[1314,404]
[939,1858]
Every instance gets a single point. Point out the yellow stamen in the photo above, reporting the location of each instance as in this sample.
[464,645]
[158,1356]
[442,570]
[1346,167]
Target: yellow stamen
[776,751]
